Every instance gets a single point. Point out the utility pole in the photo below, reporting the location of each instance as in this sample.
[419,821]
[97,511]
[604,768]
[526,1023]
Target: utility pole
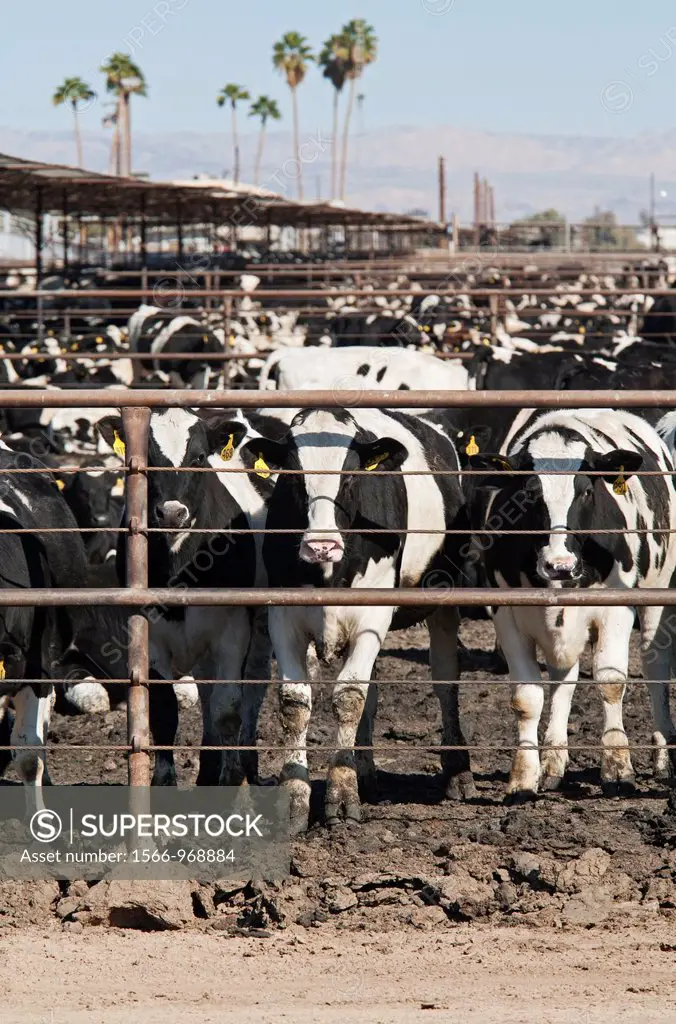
[442,190]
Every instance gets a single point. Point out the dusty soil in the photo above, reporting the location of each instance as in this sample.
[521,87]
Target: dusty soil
[474,973]
[496,913]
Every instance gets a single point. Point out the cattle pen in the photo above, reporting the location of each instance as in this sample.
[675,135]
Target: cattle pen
[136,407]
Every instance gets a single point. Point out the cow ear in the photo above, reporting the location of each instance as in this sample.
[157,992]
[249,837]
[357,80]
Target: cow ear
[385,453]
[618,463]
[471,441]
[264,455]
[110,430]
[493,469]
[225,437]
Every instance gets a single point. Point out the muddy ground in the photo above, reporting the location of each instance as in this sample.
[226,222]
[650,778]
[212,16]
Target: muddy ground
[572,859]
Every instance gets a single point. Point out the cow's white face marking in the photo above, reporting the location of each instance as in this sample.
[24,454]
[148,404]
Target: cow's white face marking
[171,431]
[322,442]
[551,452]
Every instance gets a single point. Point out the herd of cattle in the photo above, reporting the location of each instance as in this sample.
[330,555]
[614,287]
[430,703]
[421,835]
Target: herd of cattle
[353,498]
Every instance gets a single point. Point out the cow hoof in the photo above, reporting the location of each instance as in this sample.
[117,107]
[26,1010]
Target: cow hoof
[550,783]
[88,697]
[353,815]
[613,788]
[461,787]
[295,781]
[520,797]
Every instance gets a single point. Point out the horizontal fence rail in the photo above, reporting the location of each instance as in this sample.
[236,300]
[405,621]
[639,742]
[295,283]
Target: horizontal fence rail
[153,597]
[165,398]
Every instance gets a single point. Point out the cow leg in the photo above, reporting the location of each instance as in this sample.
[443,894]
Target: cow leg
[656,656]
[290,643]
[6,719]
[611,668]
[555,762]
[32,707]
[163,728]
[349,704]
[257,666]
[527,704]
[221,702]
[455,764]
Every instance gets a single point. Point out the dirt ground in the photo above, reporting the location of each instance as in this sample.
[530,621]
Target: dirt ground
[471,973]
[541,912]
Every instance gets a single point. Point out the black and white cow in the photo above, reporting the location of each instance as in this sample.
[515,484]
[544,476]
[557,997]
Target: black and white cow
[204,643]
[151,331]
[358,368]
[558,496]
[332,511]
[33,640]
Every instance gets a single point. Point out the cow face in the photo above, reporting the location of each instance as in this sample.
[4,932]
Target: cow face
[324,499]
[178,439]
[560,496]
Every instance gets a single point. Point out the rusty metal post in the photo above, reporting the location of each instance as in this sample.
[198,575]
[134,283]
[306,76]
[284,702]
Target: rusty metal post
[493,302]
[136,423]
[227,318]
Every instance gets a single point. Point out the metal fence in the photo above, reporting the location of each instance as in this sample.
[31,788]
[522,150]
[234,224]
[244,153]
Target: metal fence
[136,409]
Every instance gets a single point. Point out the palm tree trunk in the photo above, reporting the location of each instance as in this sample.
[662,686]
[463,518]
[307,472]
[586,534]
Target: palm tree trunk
[259,153]
[334,145]
[346,135]
[127,133]
[78,138]
[296,140]
[235,145]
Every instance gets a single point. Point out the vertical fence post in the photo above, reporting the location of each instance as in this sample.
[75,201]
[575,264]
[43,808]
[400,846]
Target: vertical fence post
[494,307]
[136,423]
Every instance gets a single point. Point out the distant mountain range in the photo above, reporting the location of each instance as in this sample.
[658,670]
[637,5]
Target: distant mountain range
[395,168]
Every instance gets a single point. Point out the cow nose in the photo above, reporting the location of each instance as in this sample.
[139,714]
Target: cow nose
[171,513]
[561,567]
[321,550]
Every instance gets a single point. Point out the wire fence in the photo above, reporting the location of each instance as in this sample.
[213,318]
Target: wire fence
[139,598]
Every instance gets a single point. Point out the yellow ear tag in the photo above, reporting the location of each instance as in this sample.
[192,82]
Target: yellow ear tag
[620,485]
[261,467]
[2,668]
[472,447]
[231,338]
[119,446]
[119,483]
[60,484]
[229,450]
[205,337]
[378,459]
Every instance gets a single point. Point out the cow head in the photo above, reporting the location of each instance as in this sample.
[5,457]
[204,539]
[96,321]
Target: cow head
[179,439]
[557,494]
[324,499]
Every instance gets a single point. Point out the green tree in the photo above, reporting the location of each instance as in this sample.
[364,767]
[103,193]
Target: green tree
[75,93]
[124,79]
[266,109]
[232,94]
[334,61]
[291,56]
[603,232]
[362,49]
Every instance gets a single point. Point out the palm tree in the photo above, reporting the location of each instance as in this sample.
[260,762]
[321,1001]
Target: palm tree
[264,108]
[232,94]
[362,46]
[291,56]
[334,59]
[124,79]
[75,93]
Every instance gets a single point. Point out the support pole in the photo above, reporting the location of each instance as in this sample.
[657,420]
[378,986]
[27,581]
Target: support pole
[66,234]
[442,190]
[136,423]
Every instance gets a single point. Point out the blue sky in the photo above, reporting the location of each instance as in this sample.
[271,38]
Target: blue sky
[598,67]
